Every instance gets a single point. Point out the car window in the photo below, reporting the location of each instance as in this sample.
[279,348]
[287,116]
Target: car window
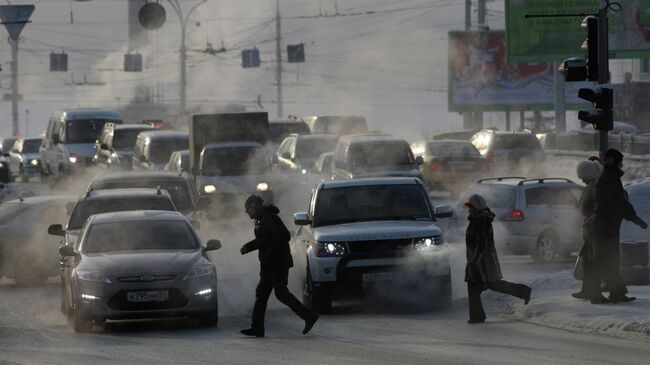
[234,161]
[453,149]
[139,235]
[551,196]
[85,208]
[361,155]
[310,148]
[498,196]
[125,138]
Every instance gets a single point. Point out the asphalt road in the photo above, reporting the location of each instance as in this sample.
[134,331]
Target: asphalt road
[33,331]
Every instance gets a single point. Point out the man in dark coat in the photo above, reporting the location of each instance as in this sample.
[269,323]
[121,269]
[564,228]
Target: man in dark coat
[272,243]
[611,206]
[483,270]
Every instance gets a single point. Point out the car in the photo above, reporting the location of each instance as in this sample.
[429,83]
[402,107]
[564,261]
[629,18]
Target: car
[365,232]
[336,124]
[279,129]
[297,154]
[373,155]
[6,144]
[511,152]
[27,253]
[537,217]
[68,145]
[449,164]
[139,264]
[114,147]
[153,148]
[24,159]
[180,187]
[179,162]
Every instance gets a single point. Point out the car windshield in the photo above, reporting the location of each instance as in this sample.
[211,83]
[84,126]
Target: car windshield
[125,138]
[371,203]
[279,131]
[516,141]
[312,147]
[177,189]
[139,235]
[375,154]
[234,161]
[85,209]
[498,196]
[161,150]
[453,149]
[85,130]
[31,145]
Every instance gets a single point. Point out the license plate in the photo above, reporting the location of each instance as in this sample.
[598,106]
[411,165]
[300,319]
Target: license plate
[147,296]
[381,276]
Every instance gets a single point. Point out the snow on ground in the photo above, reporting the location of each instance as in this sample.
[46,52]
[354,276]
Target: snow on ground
[552,305]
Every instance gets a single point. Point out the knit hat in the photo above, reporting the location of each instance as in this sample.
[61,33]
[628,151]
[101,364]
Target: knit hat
[614,154]
[589,170]
[477,202]
[254,201]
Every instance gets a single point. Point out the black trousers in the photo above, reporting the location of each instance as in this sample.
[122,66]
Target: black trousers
[606,267]
[590,280]
[476,312]
[276,280]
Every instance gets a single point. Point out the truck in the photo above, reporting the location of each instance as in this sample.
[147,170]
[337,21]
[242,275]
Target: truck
[227,157]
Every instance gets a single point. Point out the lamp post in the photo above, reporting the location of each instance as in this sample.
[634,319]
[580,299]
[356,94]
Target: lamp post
[183,19]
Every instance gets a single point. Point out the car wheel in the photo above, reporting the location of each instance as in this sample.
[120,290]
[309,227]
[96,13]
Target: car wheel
[25,274]
[210,319]
[317,298]
[546,248]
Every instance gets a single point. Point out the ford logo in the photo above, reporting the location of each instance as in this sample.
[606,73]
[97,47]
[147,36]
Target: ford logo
[146,278]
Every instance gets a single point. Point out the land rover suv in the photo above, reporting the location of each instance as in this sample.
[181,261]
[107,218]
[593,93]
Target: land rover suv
[367,233]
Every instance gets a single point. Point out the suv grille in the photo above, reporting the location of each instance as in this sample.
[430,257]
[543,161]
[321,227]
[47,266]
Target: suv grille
[146,278]
[380,248]
[119,302]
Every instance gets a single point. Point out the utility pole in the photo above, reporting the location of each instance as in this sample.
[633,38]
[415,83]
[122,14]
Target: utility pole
[14,85]
[468,117]
[278,59]
[482,27]
[603,69]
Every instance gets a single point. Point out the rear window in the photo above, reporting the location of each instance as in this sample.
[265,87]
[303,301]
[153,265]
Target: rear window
[162,149]
[453,149]
[516,141]
[139,235]
[497,196]
[551,196]
[85,209]
[177,189]
[126,138]
[312,147]
[362,155]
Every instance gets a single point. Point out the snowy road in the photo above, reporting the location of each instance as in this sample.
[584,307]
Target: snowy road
[32,331]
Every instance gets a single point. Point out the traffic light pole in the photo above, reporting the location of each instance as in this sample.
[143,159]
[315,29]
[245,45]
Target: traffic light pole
[14,86]
[603,69]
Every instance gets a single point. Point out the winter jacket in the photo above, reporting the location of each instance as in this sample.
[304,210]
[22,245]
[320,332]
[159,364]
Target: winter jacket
[271,240]
[611,203]
[586,205]
[482,261]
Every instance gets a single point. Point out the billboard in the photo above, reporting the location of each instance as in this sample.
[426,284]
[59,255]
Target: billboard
[481,80]
[555,39]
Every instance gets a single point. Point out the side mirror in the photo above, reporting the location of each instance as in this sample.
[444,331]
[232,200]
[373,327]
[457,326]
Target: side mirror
[69,207]
[56,230]
[419,161]
[56,139]
[195,224]
[286,155]
[67,251]
[213,245]
[301,219]
[104,146]
[203,203]
[444,211]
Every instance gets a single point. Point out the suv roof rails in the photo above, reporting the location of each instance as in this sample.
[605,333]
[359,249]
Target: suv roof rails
[543,180]
[502,178]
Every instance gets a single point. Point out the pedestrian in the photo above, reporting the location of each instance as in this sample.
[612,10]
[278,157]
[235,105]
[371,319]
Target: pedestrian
[611,206]
[588,171]
[272,243]
[483,270]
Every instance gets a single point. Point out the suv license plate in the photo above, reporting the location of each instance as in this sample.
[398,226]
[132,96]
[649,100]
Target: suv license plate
[147,296]
[381,276]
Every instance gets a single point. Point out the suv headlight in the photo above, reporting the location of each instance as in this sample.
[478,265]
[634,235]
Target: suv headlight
[209,189]
[199,271]
[34,162]
[94,276]
[426,243]
[262,187]
[73,159]
[331,249]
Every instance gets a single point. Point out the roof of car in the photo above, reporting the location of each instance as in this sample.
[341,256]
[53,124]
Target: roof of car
[136,215]
[138,176]
[371,137]
[440,141]
[286,121]
[370,182]
[163,133]
[142,127]
[315,136]
[231,144]
[106,194]
[491,131]
[71,114]
[522,181]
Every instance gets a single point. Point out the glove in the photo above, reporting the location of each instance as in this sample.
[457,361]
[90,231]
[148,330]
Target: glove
[244,250]
[640,222]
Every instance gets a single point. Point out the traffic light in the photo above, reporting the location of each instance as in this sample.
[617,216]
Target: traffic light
[590,46]
[603,100]
[250,58]
[58,61]
[296,53]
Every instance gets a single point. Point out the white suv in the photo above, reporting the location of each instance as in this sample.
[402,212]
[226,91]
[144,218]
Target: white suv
[539,217]
[368,233]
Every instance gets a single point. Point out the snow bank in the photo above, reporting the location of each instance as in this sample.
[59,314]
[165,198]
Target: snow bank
[552,305]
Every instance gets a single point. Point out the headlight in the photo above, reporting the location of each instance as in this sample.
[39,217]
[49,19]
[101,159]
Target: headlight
[34,162]
[303,171]
[426,243]
[73,159]
[331,249]
[209,189]
[199,271]
[2,165]
[94,276]
[262,187]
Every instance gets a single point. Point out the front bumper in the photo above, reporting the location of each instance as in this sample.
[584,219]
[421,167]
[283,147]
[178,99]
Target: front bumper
[112,300]
[31,170]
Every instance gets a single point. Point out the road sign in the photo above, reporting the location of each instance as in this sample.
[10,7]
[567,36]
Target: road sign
[14,18]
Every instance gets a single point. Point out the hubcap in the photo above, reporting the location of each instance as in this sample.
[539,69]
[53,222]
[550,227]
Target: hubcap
[546,248]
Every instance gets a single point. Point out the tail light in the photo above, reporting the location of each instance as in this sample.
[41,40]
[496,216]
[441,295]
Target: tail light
[514,215]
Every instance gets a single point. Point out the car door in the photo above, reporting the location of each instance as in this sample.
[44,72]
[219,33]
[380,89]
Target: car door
[567,215]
